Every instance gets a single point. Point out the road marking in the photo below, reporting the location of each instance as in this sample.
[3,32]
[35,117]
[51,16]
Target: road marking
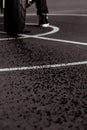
[70,10]
[54,30]
[61,13]
[2,32]
[60,40]
[23,36]
[67,14]
[39,36]
[43,66]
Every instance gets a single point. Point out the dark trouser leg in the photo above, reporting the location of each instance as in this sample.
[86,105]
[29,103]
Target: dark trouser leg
[42,11]
[41,6]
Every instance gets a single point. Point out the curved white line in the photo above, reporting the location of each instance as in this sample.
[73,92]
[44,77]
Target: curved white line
[39,36]
[54,30]
[24,36]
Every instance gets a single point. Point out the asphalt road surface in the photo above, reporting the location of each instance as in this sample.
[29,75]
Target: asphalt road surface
[43,73]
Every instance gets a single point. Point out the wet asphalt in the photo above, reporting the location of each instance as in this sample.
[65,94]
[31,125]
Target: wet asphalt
[45,98]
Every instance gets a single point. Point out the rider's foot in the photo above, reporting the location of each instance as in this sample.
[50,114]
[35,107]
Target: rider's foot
[43,20]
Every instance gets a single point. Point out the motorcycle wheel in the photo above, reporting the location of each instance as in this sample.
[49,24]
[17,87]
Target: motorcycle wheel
[14,16]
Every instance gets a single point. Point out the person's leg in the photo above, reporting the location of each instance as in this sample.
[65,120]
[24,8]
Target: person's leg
[42,11]
[41,6]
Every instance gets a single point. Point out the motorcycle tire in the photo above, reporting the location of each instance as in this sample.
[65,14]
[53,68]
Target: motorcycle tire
[14,16]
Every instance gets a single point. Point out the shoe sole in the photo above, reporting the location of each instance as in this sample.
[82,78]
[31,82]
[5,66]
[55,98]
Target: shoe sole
[44,25]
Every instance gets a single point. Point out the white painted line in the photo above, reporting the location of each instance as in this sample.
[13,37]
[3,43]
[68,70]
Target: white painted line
[58,13]
[6,39]
[61,14]
[39,36]
[24,36]
[60,40]
[67,14]
[12,38]
[31,14]
[75,12]
[43,66]
[2,32]
[54,30]
[70,10]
